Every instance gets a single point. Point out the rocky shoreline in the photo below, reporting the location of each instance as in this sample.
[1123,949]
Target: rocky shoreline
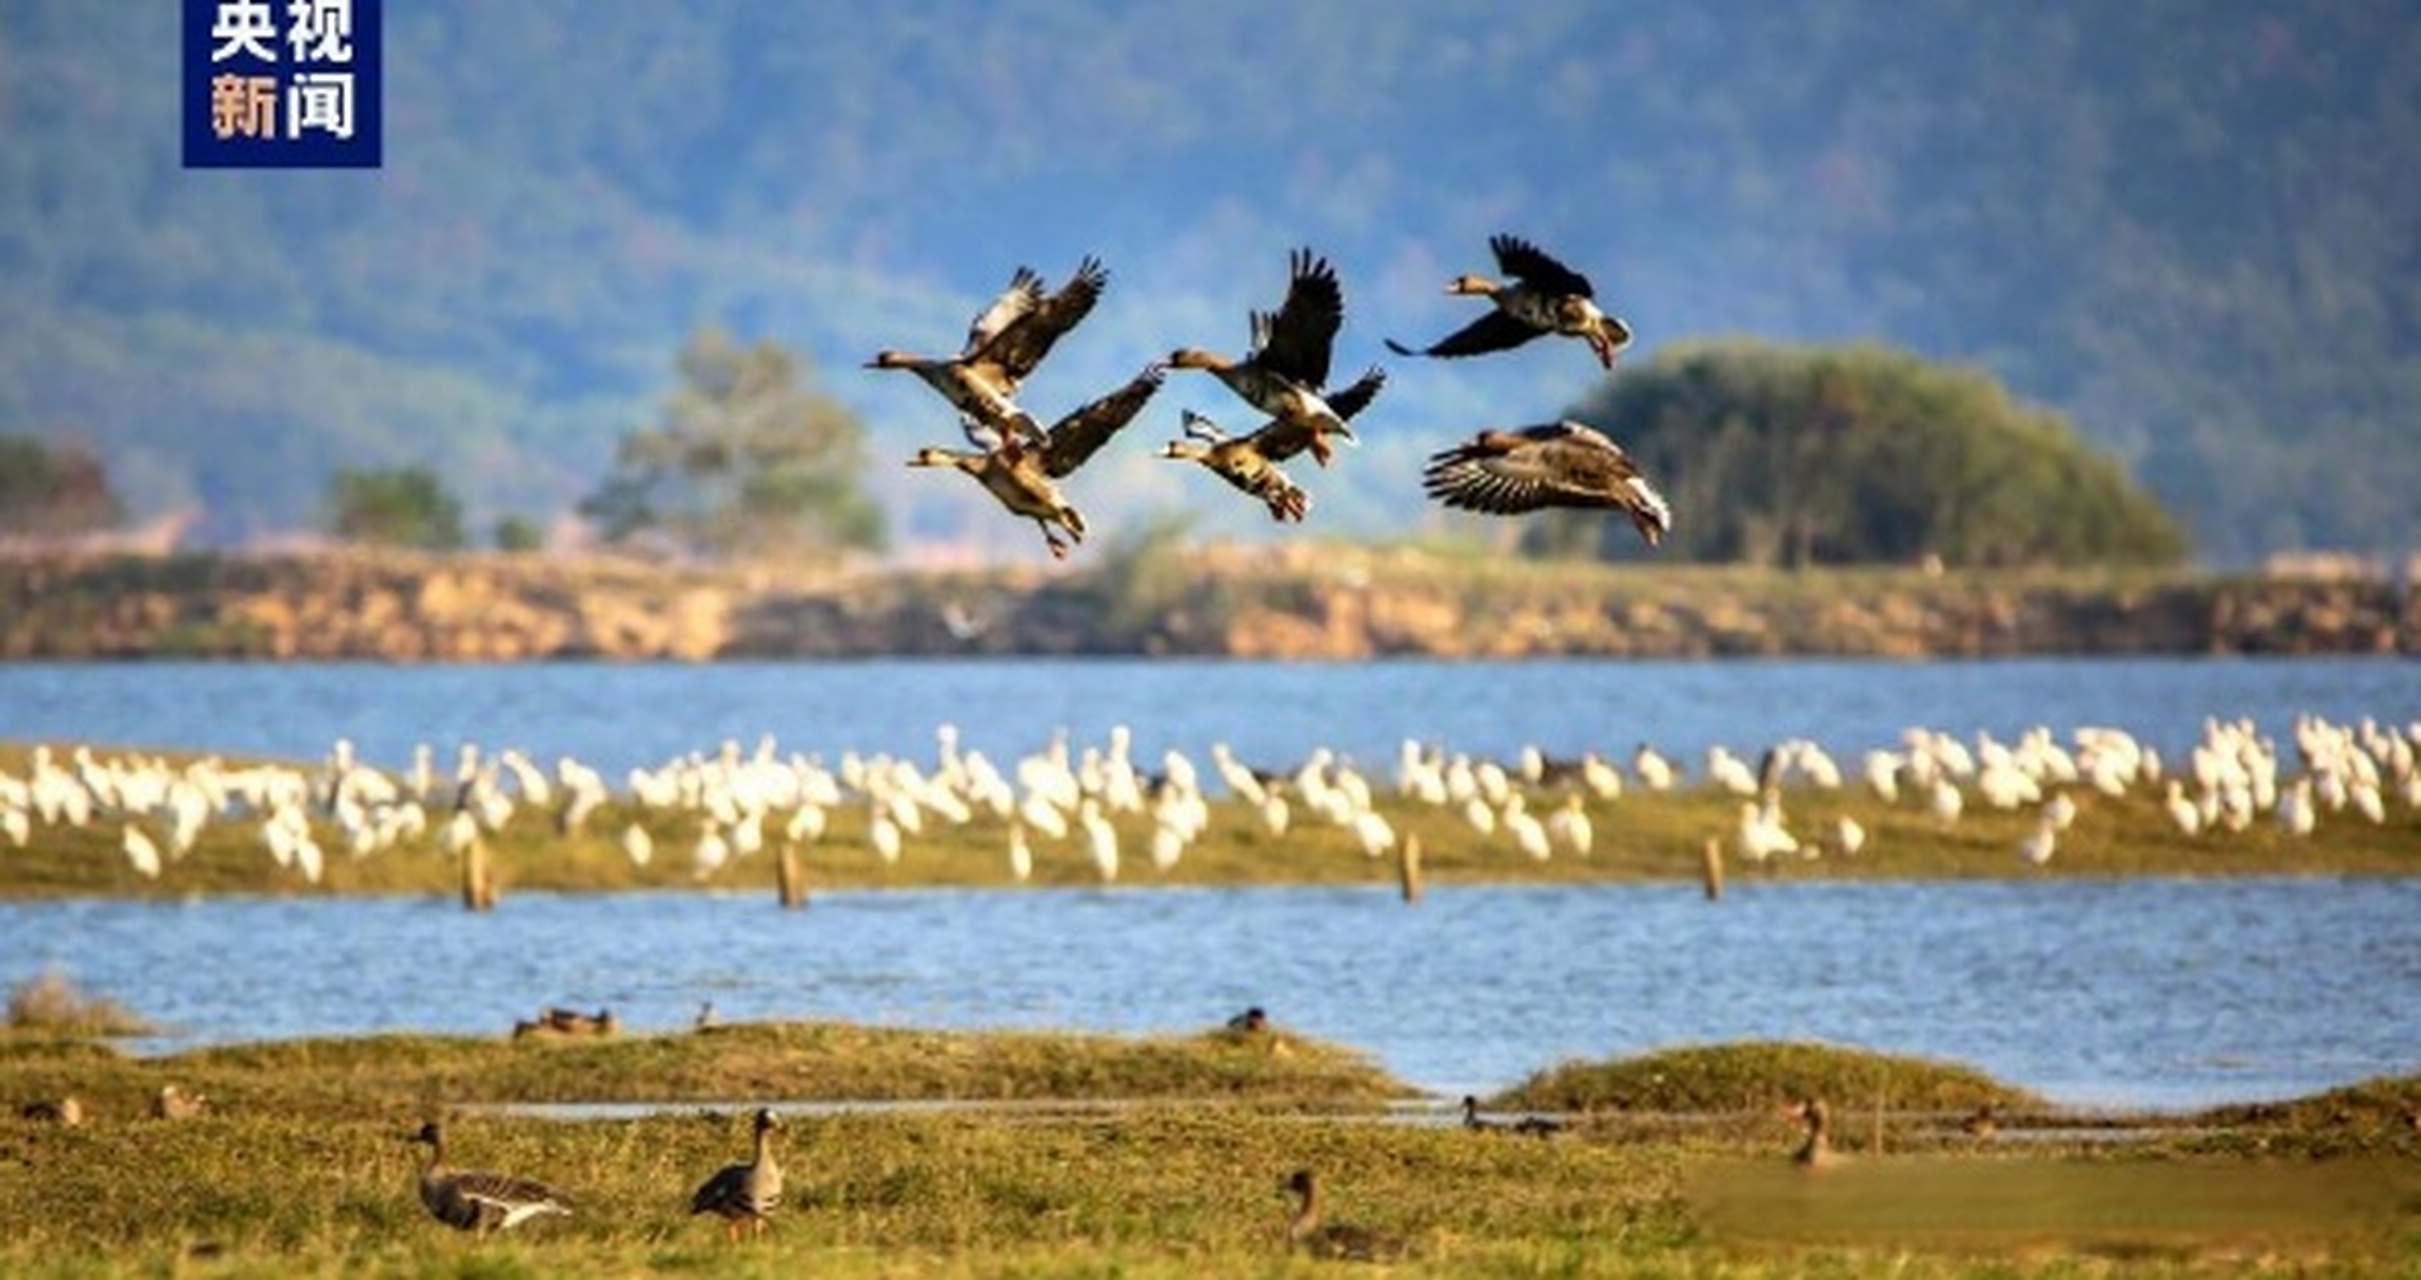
[1300,601]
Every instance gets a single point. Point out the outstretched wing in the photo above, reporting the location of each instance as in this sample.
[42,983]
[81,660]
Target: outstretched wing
[1560,464]
[1020,298]
[1495,331]
[1079,435]
[1022,344]
[1532,265]
[1304,331]
[1357,396]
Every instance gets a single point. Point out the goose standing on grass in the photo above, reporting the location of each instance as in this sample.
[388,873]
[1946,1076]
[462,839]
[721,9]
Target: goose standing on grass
[1250,462]
[1553,464]
[1310,1232]
[748,1191]
[1816,1150]
[1283,373]
[1021,470]
[476,1199]
[1008,338]
[1545,297]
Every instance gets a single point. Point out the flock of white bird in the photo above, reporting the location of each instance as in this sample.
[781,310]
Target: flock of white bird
[733,804]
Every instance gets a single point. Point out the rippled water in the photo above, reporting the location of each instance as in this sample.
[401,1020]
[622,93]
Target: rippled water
[2145,993]
[616,716]
[2138,993]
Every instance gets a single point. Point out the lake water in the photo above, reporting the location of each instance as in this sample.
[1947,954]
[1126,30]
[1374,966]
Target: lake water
[616,716]
[2146,993]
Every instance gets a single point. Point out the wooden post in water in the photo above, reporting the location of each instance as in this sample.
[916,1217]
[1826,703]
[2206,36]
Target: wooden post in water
[1408,867]
[791,878]
[1710,866]
[478,885]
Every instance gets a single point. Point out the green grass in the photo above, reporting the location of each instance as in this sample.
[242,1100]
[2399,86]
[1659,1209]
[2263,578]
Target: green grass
[301,1169]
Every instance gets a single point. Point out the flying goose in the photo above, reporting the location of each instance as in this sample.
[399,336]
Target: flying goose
[1283,373]
[1321,1239]
[1545,297]
[1005,341]
[1554,464]
[748,1191]
[1240,461]
[1020,470]
[1250,461]
[476,1199]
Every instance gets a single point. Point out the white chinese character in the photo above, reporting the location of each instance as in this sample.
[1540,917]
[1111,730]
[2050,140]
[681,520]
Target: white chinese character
[320,30]
[321,100]
[243,27]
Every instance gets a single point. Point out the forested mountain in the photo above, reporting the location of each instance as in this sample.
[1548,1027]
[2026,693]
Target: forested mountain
[2187,224]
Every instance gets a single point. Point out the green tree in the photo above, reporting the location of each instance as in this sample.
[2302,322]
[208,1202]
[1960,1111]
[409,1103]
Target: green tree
[1848,455]
[747,460]
[398,507]
[53,490]
[519,533]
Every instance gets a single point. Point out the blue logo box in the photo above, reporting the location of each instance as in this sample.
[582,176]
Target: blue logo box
[282,84]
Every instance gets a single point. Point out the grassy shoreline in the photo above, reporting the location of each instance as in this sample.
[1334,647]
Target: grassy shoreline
[1641,836]
[299,1168]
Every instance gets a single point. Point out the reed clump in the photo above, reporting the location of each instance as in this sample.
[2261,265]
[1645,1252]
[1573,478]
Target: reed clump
[52,1004]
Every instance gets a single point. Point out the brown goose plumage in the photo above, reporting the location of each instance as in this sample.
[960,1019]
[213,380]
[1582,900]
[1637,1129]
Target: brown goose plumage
[1250,461]
[477,1199]
[1283,373]
[1005,341]
[1309,1230]
[1555,464]
[1020,471]
[748,1191]
[1545,297]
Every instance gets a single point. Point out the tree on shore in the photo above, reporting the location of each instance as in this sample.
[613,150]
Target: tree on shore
[747,460]
[395,507]
[54,490]
[1858,455]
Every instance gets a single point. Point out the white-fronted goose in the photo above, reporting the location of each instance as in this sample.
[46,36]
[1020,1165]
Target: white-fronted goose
[1007,339]
[1020,471]
[477,1199]
[748,1191]
[1554,464]
[1309,1231]
[1250,461]
[1239,461]
[1816,1150]
[1283,373]
[174,1102]
[1545,297]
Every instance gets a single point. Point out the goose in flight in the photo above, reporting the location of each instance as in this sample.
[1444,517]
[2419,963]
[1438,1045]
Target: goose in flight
[1021,469]
[1555,464]
[1005,341]
[1288,364]
[1250,461]
[1545,296]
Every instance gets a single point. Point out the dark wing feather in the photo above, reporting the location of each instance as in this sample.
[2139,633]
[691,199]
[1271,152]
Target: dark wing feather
[1527,262]
[1079,435]
[1304,332]
[505,1191]
[1020,298]
[725,1192]
[1022,344]
[1495,331]
[1357,397]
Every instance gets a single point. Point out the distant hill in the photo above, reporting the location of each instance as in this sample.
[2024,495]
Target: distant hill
[2185,223]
